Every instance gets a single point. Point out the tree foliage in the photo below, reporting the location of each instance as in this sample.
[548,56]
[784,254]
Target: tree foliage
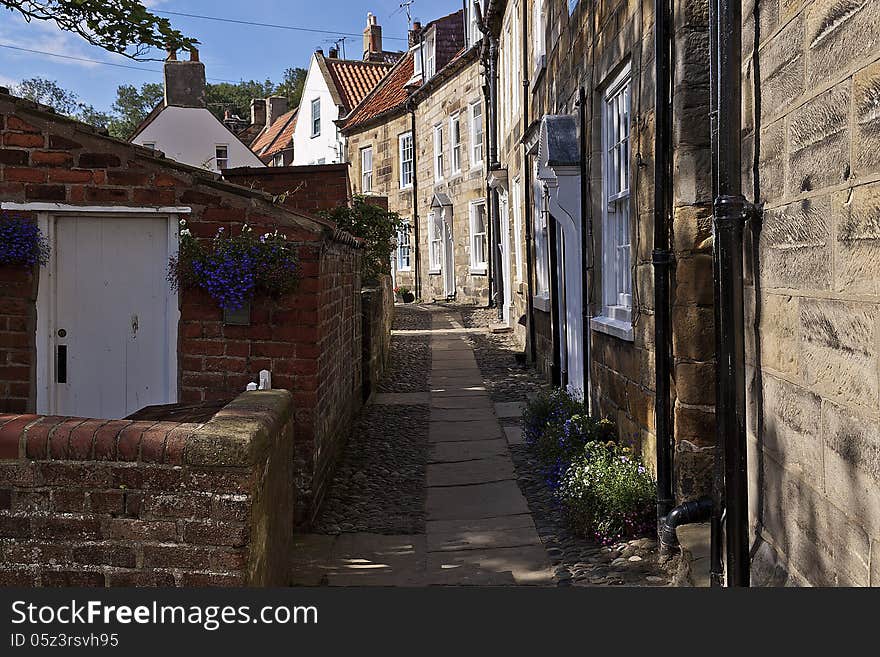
[51,94]
[121,26]
[132,106]
[376,226]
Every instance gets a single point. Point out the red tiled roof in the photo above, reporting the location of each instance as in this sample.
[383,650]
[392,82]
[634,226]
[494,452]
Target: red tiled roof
[355,79]
[388,95]
[275,137]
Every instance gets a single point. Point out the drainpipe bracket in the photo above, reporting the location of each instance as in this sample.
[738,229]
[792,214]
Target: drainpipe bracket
[662,257]
[732,211]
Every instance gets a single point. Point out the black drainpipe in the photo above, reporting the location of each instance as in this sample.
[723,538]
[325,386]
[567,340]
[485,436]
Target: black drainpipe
[494,165]
[586,241]
[730,213]
[415,201]
[556,372]
[662,256]
[489,57]
[526,181]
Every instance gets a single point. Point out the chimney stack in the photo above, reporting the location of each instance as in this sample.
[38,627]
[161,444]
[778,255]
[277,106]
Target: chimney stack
[275,107]
[372,40]
[334,53]
[258,111]
[415,33]
[185,84]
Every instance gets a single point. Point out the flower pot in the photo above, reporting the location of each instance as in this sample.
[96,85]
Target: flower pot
[408,297]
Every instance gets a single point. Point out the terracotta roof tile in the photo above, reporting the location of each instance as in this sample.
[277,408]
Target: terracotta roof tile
[355,79]
[388,95]
[271,139]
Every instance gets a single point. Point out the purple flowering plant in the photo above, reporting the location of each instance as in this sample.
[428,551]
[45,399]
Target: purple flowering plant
[233,269]
[22,244]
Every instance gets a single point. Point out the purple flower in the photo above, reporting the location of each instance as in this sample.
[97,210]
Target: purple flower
[22,243]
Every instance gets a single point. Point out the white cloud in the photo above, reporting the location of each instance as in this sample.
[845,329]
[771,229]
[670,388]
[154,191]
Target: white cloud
[7,82]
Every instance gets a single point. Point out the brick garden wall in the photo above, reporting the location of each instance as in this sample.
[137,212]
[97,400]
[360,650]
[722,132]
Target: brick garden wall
[306,188]
[47,158]
[115,503]
[811,78]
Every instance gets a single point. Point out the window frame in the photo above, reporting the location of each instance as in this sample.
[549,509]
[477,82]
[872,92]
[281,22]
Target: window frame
[455,149]
[401,151]
[476,145]
[477,266]
[366,174]
[439,164]
[516,197]
[149,144]
[218,159]
[404,230]
[617,275]
[435,243]
[316,117]
[542,242]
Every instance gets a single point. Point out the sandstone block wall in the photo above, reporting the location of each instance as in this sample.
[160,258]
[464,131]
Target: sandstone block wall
[87,502]
[812,70]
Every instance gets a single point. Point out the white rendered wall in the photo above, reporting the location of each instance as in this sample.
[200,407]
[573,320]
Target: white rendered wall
[308,149]
[191,134]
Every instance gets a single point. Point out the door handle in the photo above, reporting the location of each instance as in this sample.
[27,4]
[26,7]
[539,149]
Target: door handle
[61,363]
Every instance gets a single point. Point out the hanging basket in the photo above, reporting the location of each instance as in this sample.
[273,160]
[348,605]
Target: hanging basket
[22,244]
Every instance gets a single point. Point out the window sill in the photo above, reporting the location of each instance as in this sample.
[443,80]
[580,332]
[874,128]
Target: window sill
[478,271]
[406,187]
[403,270]
[617,328]
[539,72]
[434,272]
[541,302]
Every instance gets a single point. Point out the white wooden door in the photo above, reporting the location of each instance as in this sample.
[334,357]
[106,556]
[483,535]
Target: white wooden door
[448,258]
[109,333]
[504,248]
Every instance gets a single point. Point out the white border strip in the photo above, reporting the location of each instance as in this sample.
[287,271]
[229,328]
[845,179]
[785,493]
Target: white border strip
[119,209]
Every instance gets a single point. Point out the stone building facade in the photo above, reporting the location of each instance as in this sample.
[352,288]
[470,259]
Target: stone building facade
[417,139]
[811,77]
[577,64]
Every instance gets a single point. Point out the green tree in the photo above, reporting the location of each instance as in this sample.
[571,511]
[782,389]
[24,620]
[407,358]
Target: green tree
[292,85]
[63,101]
[376,226]
[132,106]
[120,26]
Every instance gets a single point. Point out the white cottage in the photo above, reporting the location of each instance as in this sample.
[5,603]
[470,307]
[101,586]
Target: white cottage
[183,128]
[332,89]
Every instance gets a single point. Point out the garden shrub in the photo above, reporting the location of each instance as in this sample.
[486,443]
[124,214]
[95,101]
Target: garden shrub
[608,494]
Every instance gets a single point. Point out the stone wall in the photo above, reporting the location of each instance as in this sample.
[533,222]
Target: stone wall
[378,314]
[811,76]
[88,502]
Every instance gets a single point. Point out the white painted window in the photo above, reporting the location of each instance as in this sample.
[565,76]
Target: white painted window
[221,156]
[476,112]
[367,169]
[403,248]
[278,160]
[405,145]
[538,29]
[429,53]
[616,248]
[435,242]
[438,152]
[572,5]
[316,117]
[542,247]
[455,139]
[479,241]
[516,200]
[473,30]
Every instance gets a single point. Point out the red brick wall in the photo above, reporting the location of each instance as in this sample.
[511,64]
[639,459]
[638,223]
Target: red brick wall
[47,158]
[117,503]
[307,188]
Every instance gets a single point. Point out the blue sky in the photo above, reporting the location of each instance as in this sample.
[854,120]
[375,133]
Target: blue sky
[230,52]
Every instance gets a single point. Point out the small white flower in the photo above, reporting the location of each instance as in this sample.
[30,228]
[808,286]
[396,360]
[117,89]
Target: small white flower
[186,232]
[183,222]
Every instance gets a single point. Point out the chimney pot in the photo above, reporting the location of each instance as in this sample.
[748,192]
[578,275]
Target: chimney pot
[334,53]
[320,51]
[172,56]
[193,54]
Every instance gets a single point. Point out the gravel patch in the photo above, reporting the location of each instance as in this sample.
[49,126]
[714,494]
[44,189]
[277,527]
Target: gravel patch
[379,485]
[411,318]
[409,365]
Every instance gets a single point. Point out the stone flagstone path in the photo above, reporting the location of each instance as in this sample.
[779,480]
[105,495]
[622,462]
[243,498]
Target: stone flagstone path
[478,528]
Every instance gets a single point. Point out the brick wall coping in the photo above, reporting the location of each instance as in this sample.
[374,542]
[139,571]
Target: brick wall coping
[238,435]
[278,171]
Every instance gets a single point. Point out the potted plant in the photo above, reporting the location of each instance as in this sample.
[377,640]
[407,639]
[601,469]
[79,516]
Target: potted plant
[234,269]
[21,243]
[404,294]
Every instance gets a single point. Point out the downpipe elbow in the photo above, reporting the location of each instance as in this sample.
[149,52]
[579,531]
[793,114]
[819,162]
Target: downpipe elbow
[684,514]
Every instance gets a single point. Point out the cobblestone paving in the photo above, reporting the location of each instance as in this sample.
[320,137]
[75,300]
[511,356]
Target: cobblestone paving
[412,505]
